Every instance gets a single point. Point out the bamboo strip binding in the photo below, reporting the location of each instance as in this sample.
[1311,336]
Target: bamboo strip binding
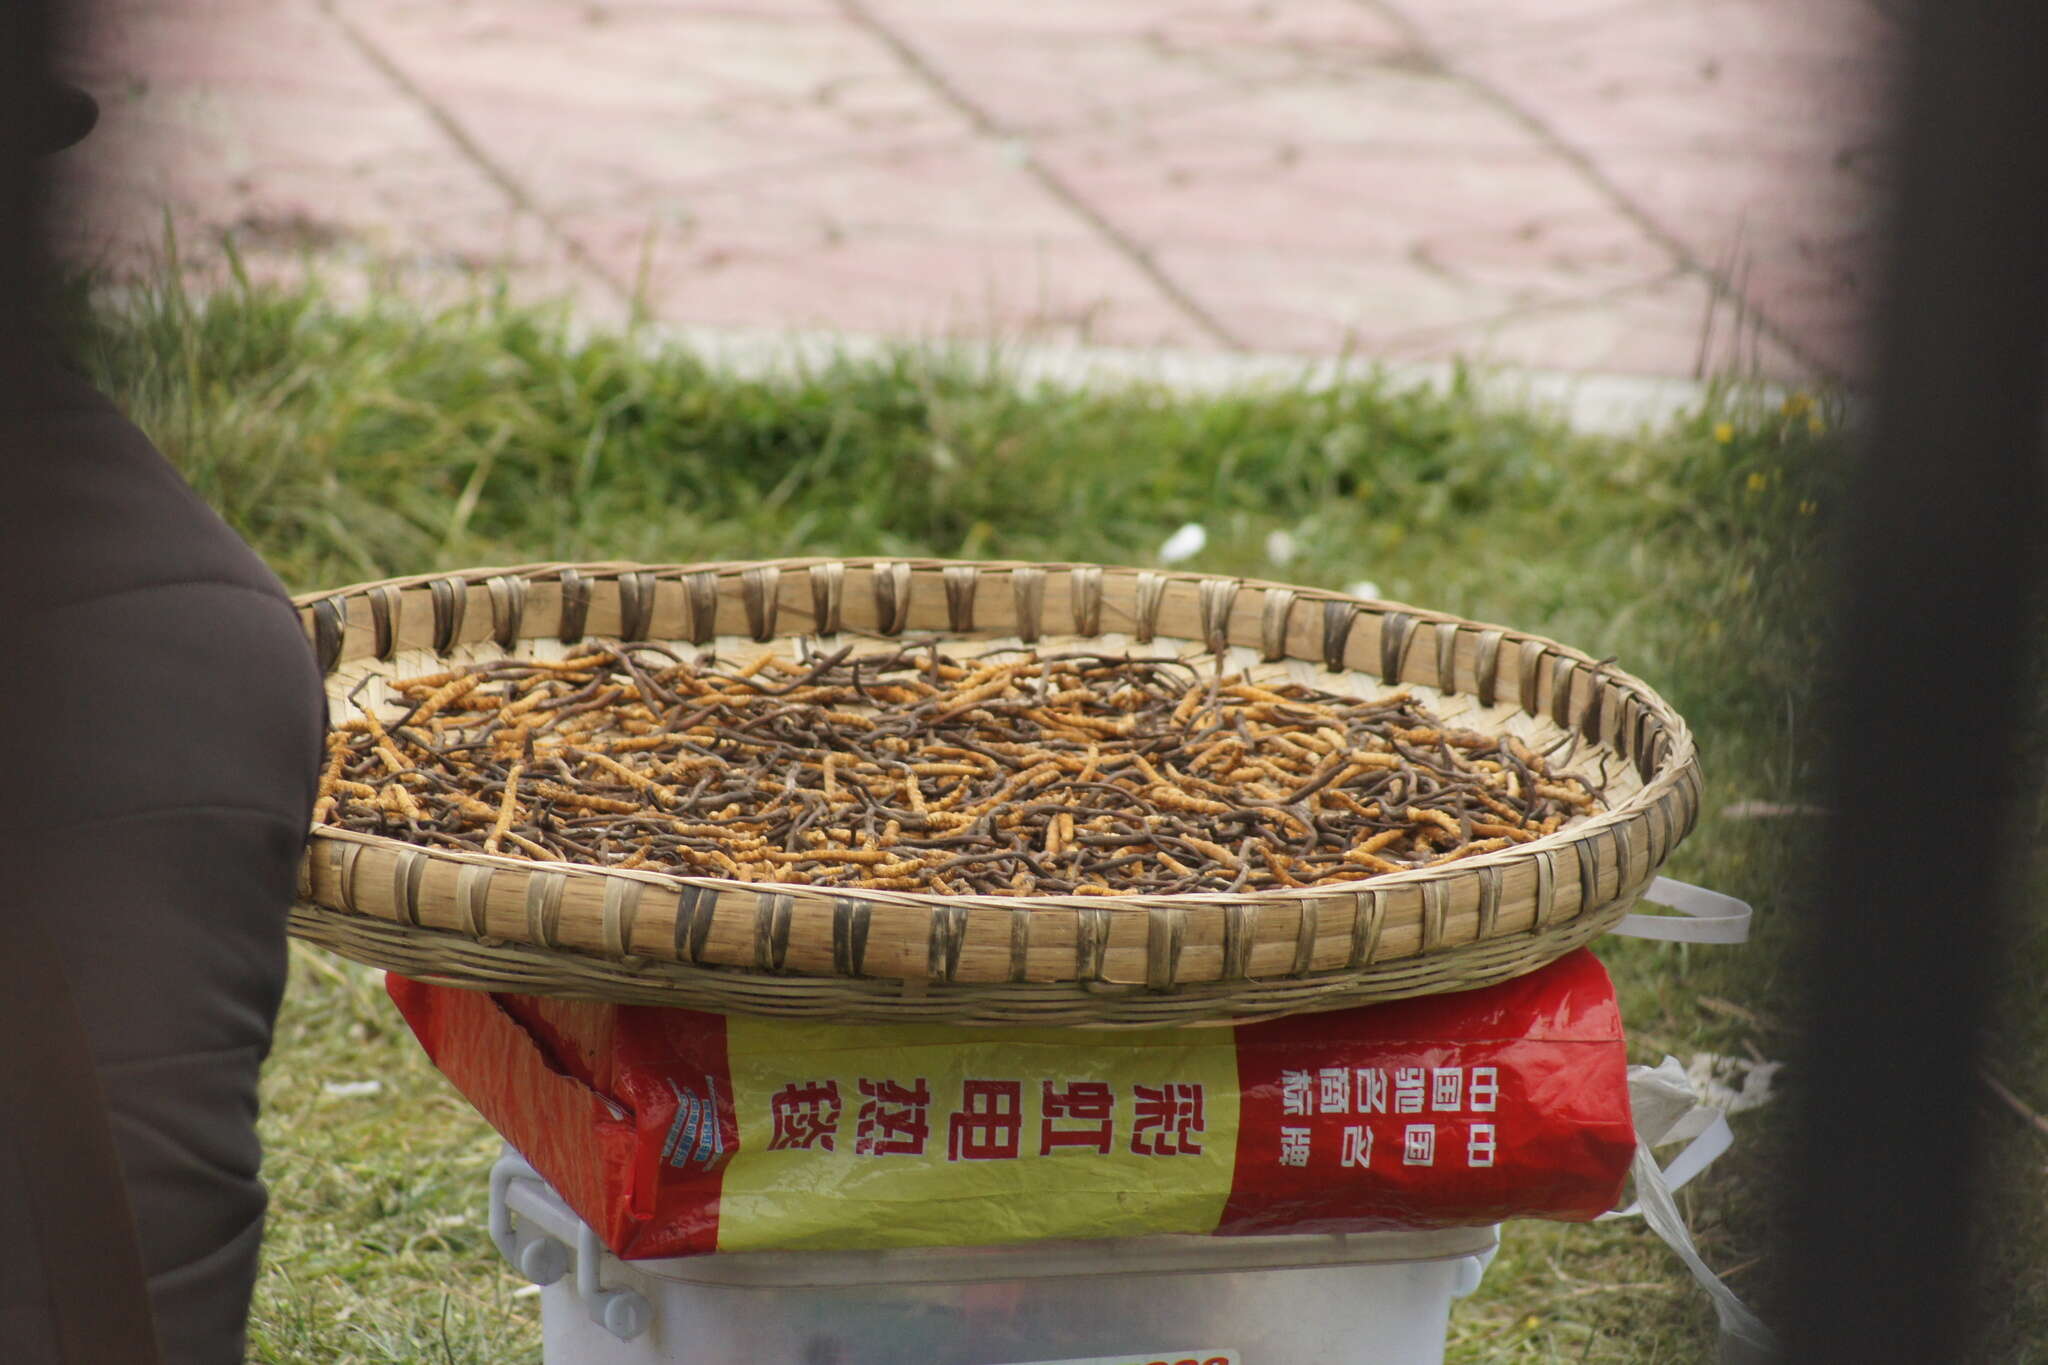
[657,938]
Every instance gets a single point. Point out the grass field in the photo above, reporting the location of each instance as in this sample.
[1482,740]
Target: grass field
[353,445]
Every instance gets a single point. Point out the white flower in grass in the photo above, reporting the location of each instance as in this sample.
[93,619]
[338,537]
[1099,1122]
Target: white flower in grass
[1185,543]
[350,1090]
[1364,587]
[1280,548]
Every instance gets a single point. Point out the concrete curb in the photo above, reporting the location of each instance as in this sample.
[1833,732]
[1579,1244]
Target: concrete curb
[1595,404]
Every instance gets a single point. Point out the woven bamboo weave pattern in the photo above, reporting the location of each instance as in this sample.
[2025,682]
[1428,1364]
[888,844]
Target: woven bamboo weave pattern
[658,937]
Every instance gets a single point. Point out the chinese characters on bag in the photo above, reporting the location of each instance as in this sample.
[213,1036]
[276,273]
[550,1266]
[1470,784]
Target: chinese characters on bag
[989,1123]
[1429,1113]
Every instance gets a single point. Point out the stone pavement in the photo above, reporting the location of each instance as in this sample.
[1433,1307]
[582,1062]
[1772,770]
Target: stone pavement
[1664,188]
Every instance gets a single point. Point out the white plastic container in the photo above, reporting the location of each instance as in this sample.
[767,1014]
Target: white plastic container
[1357,1299]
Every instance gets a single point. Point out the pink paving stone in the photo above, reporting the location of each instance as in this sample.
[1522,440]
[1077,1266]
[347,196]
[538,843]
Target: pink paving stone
[1659,39]
[919,237]
[261,120]
[912,286]
[729,9]
[1291,165]
[1737,125]
[1395,195]
[1099,65]
[1318,302]
[599,111]
[929,236]
[1806,257]
[1223,21]
[1438,209]
[1658,329]
[971,191]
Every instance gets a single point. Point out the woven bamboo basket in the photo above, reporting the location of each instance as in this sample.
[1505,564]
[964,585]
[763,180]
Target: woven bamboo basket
[644,937]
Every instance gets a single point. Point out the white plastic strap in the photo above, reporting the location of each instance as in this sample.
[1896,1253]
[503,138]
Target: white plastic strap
[1703,916]
[1667,1110]
[1744,1338]
[1699,1154]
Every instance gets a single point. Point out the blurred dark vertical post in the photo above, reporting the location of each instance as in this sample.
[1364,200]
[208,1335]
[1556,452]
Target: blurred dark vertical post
[24,52]
[1942,557]
[25,42]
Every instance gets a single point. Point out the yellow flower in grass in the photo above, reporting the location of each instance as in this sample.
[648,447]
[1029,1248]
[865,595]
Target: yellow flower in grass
[1759,481]
[1724,432]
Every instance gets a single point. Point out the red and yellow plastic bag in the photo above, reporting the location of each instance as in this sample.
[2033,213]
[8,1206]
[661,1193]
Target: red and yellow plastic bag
[674,1132]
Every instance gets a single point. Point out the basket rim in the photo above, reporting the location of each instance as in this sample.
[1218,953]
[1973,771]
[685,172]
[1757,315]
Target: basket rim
[1672,771]
[495,921]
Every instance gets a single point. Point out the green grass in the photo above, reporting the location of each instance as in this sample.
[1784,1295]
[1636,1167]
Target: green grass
[356,445]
